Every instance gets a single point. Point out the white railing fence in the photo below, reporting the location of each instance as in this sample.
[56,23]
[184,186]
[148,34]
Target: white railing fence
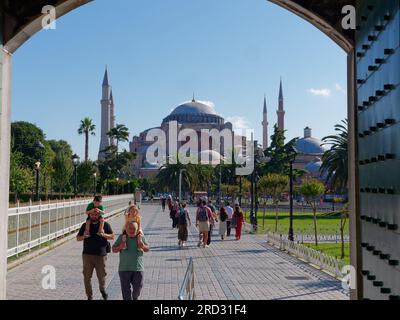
[32,226]
[187,290]
[304,235]
[325,262]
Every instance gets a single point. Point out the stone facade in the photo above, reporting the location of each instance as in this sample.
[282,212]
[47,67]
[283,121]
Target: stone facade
[193,115]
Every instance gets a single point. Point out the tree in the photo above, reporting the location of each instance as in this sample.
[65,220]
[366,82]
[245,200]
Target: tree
[279,154]
[114,164]
[87,127]
[24,136]
[335,160]
[21,178]
[312,190]
[274,185]
[63,170]
[168,176]
[85,178]
[62,167]
[120,133]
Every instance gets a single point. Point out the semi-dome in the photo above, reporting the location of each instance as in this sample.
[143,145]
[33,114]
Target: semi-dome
[309,145]
[194,112]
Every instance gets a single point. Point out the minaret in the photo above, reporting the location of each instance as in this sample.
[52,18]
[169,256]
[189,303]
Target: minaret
[112,115]
[265,125]
[281,111]
[106,116]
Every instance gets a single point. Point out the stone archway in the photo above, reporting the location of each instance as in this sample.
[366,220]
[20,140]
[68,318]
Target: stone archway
[21,19]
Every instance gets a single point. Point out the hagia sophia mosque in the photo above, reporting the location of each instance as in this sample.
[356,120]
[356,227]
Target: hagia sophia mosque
[198,115]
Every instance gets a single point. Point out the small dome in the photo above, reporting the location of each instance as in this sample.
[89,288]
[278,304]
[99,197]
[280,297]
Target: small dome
[194,107]
[310,146]
[314,166]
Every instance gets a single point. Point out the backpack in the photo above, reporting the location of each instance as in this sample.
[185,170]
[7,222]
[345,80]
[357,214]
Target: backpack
[203,216]
[212,208]
[182,216]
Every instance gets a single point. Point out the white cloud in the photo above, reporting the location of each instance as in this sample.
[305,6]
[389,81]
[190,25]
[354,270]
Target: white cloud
[239,123]
[325,92]
[338,87]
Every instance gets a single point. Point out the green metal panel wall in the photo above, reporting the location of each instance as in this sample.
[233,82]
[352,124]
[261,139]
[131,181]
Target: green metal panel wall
[378,83]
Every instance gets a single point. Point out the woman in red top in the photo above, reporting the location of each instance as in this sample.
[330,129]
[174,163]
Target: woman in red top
[238,216]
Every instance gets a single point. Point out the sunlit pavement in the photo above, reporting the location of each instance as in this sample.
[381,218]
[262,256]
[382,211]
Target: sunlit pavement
[227,270]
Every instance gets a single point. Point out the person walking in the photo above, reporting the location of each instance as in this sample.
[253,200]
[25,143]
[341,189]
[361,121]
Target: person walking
[214,213]
[183,222]
[223,220]
[204,218]
[131,265]
[229,212]
[94,255]
[239,221]
[170,204]
[175,213]
[163,202]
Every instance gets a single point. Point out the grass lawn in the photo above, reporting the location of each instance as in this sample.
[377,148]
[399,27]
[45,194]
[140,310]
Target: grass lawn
[332,249]
[302,223]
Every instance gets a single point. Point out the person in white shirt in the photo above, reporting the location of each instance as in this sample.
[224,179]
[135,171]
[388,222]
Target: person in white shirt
[229,212]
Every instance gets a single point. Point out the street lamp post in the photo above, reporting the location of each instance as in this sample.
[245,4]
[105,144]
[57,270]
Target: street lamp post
[253,219]
[240,191]
[219,185]
[40,146]
[291,160]
[180,183]
[37,170]
[94,183]
[75,161]
[116,192]
[291,238]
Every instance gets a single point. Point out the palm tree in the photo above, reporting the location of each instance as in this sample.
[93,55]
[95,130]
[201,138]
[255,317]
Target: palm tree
[168,176]
[120,133]
[334,161]
[87,127]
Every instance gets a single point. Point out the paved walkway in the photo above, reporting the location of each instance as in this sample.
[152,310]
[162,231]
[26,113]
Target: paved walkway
[246,269]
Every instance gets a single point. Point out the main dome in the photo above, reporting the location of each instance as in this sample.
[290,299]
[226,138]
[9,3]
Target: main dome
[195,112]
[194,107]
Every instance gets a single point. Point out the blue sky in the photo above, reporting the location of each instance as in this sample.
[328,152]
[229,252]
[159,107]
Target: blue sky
[159,52]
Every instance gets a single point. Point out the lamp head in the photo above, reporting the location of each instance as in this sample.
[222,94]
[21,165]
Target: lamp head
[75,159]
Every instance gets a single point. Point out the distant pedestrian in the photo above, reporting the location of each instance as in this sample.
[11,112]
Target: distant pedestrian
[94,255]
[238,217]
[223,220]
[183,222]
[131,265]
[175,213]
[229,212]
[204,218]
[163,202]
[214,213]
